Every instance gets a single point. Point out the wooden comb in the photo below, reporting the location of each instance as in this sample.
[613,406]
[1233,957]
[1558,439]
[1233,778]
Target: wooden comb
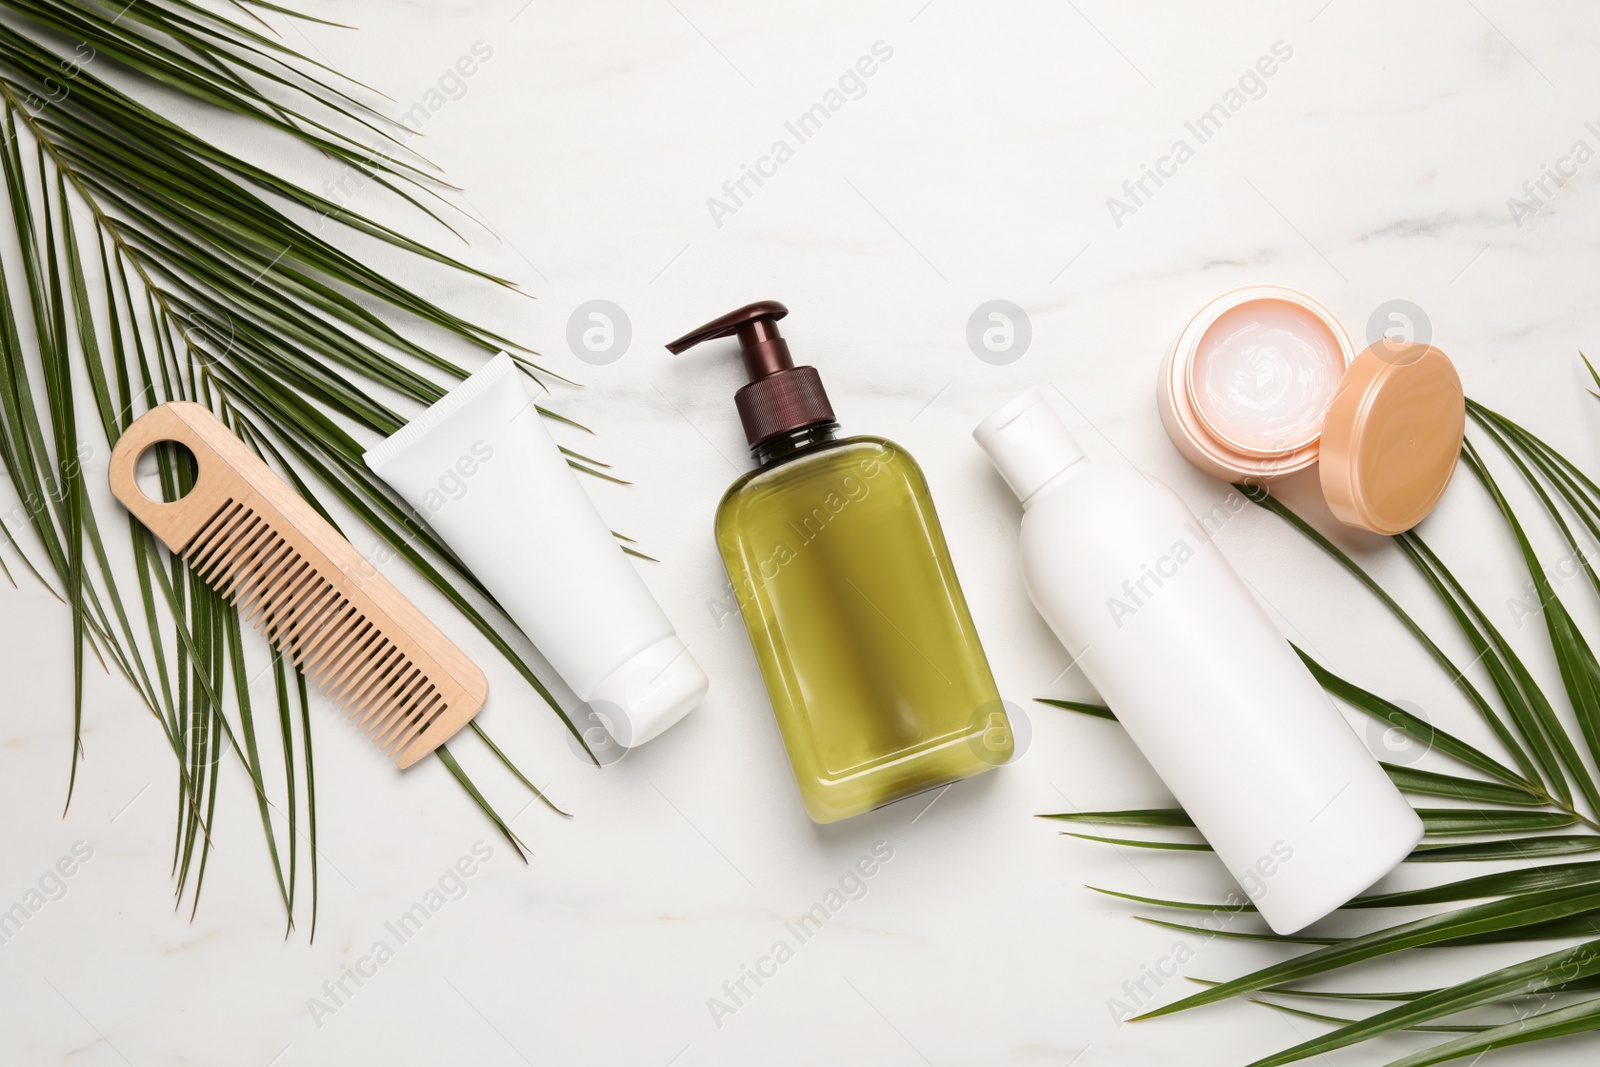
[246,533]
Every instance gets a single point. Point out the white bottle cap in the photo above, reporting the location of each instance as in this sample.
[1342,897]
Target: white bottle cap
[648,693]
[1027,442]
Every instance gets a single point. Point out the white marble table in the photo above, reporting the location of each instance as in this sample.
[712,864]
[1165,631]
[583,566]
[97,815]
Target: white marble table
[977,162]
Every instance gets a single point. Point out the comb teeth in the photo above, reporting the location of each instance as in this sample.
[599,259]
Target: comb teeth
[247,534]
[304,615]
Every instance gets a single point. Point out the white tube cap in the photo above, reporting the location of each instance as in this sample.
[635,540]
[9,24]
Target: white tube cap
[1027,442]
[651,691]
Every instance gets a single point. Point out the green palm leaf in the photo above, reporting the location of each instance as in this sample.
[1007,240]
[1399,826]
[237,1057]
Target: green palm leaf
[1560,1022]
[1519,980]
[152,265]
[1533,804]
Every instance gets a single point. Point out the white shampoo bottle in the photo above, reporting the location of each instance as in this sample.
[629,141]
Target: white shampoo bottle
[1130,581]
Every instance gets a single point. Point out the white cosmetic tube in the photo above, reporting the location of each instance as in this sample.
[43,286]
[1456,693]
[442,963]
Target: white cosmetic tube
[481,469]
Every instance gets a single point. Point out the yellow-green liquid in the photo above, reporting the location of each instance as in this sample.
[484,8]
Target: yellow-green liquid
[876,675]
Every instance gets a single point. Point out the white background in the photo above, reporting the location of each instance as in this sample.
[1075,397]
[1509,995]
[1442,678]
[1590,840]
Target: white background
[1377,165]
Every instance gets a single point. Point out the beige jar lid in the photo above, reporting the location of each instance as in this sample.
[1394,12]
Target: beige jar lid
[1392,436]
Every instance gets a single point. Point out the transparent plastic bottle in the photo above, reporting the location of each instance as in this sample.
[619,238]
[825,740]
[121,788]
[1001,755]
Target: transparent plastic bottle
[878,681]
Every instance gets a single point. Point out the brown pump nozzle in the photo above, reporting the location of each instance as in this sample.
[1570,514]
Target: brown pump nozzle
[780,397]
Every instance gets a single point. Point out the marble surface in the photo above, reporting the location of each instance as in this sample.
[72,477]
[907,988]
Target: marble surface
[1384,158]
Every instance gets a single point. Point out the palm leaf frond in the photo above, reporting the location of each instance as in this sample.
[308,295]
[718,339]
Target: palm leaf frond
[149,264]
[1534,804]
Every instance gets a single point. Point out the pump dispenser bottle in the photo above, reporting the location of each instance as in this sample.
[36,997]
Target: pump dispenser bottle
[840,568]
[1134,586]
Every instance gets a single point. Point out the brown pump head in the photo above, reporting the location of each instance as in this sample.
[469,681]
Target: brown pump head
[780,397]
